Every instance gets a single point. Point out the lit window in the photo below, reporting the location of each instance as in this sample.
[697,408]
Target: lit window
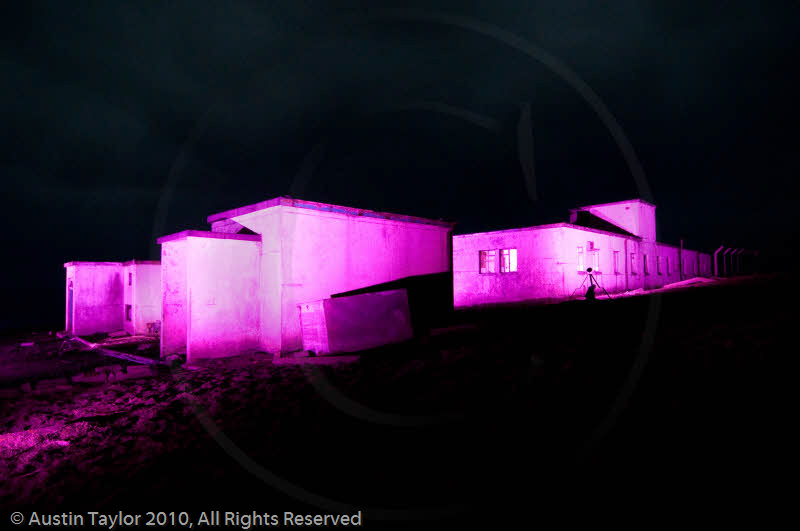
[633,263]
[581,261]
[127,311]
[508,260]
[595,262]
[658,265]
[644,264]
[616,261]
[487,261]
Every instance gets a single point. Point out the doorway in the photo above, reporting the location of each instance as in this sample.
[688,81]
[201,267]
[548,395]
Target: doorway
[69,308]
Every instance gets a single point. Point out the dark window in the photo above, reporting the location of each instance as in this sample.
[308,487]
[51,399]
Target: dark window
[127,311]
[130,279]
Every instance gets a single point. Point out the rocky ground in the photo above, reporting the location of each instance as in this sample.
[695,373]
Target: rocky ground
[656,399]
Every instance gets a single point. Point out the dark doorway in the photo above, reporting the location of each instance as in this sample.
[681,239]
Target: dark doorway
[69,308]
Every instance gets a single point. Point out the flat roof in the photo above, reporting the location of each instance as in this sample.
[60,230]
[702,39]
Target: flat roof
[636,200]
[142,262]
[92,264]
[206,234]
[129,262]
[551,226]
[324,207]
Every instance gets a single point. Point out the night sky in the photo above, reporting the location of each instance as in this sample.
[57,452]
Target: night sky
[124,121]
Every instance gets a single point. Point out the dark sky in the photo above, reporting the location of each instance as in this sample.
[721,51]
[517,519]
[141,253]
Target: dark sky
[123,121]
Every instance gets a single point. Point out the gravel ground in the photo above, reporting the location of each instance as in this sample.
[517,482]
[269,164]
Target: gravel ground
[514,407]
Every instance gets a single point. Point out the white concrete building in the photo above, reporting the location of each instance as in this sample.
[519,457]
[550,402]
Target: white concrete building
[549,262]
[238,287]
[112,296]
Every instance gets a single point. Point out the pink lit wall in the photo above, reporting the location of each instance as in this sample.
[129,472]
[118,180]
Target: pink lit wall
[615,274]
[549,266]
[96,303]
[174,297]
[142,291]
[223,280]
[309,255]
[210,293]
[635,216]
[539,272]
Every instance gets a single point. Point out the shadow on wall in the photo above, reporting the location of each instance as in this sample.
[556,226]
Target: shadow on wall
[430,299]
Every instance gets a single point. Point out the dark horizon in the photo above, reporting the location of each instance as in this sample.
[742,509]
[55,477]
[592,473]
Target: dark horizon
[125,122]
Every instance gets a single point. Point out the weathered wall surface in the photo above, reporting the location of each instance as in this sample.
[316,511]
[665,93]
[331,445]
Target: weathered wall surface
[223,299]
[142,288]
[598,249]
[174,297]
[549,267]
[634,216]
[539,275]
[97,297]
[326,253]
[128,297]
[267,223]
[321,253]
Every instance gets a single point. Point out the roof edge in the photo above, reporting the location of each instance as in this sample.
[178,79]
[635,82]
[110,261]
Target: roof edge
[634,200]
[209,235]
[84,263]
[325,207]
[142,262]
[553,226]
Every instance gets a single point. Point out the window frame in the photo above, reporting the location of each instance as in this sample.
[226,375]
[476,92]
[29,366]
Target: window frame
[595,253]
[490,261]
[512,260]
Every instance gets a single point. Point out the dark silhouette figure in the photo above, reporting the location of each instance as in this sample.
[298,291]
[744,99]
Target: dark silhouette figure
[590,296]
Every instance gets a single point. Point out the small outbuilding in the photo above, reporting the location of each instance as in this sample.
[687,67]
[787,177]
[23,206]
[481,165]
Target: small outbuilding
[112,297]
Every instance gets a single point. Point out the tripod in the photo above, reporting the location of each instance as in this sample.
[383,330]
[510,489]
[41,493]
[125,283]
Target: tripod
[592,282]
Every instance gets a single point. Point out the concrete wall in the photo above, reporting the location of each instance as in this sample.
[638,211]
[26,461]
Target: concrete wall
[322,253]
[598,249]
[267,223]
[634,216]
[223,299]
[539,274]
[174,296]
[142,291]
[671,254]
[97,297]
[549,267]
